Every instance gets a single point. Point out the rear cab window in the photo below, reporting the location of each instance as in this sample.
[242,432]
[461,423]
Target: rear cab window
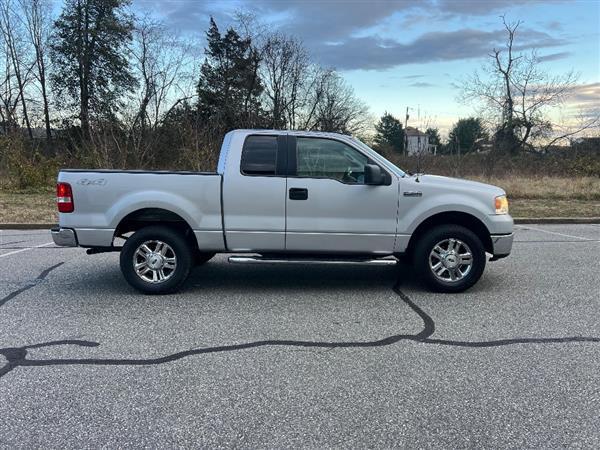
[259,156]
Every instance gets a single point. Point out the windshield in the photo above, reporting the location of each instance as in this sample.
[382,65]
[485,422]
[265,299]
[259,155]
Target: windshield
[397,171]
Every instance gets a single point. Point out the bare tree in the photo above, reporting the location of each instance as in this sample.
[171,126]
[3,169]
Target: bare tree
[517,95]
[299,94]
[38,21]
[9,93]
[302,95]
[16,54]
[159,63]
[337,108]
[581,125]
[286,75]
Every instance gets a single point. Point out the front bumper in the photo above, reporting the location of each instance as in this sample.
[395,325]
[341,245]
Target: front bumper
[502,244]
[65,237]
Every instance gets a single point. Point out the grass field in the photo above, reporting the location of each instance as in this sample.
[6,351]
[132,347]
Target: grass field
[552,188]
[528,197]
[539,208]
[16,207]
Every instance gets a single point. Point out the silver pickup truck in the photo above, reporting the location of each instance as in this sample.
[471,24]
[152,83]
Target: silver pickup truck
[285,197]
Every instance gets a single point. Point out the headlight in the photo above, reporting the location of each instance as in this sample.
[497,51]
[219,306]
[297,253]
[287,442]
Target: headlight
[501,204]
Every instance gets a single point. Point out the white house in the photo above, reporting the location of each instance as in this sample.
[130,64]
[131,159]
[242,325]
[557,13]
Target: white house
[417,142]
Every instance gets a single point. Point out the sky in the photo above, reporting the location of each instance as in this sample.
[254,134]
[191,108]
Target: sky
[399,54]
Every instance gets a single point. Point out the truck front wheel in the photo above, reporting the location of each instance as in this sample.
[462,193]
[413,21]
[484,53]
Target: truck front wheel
[156,260]
[449,258]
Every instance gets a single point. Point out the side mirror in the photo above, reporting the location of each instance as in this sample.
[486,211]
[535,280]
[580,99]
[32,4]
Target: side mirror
[373,175]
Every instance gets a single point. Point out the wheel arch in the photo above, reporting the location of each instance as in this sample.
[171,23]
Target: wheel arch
[466,220]
[143,217]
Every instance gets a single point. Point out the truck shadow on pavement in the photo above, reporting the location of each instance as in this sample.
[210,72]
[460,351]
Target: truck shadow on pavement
[17,356]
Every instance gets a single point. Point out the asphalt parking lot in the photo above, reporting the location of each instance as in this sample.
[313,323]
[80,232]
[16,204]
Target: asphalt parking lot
[311,356]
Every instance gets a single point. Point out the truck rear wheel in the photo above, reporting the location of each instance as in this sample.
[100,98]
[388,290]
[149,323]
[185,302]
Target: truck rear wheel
[156,260]
[449,258]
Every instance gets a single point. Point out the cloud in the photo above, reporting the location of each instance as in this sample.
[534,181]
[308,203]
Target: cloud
[555,25]
[554,56]
[316,23]
[421,84]
[477,7]
[330,19]
[345,36]
[188,15]
[586,95]
[527,38]
[583,102]
[184,15]
[484,7]
[373,53]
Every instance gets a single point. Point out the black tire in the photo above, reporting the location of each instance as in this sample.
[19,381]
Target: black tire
[179,246]
[203,257]
[425,245]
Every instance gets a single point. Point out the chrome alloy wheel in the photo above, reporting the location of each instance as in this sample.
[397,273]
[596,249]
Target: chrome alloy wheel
[450,260]
[154,261]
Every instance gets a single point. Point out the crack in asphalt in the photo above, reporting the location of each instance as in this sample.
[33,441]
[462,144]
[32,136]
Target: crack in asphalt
[17,356]
[29,284]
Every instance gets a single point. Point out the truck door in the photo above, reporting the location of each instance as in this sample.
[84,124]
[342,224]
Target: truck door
[329,208]
[254,195]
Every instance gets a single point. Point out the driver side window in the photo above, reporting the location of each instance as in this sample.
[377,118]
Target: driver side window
[326,158]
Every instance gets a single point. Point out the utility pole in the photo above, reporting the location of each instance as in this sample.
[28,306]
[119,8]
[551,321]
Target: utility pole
[405,133]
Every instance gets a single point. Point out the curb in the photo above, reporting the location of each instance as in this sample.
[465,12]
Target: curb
[27,226]
[518,221]
[556,220]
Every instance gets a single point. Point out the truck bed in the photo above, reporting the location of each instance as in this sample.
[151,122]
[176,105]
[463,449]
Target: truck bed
[103,198]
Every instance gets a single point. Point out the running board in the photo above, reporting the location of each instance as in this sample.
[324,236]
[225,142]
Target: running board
[290,260]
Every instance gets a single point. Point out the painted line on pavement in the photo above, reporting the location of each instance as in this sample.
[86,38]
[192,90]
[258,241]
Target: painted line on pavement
[553,232]
[25,249]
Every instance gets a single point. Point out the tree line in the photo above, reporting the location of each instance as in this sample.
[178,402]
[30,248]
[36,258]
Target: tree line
[465,136]
[516,101]
[108,88]
[100,86]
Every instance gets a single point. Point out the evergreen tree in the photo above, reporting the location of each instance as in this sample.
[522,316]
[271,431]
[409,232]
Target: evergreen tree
[390,134]
[89,55]
[434,137]
[229,87]
[466,135]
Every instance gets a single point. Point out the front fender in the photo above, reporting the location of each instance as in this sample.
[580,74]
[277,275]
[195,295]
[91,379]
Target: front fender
[416,211]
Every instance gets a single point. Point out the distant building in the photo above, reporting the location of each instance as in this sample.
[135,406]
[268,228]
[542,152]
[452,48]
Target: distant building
[417,142]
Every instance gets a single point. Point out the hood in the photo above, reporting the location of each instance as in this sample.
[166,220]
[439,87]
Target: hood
[460,184]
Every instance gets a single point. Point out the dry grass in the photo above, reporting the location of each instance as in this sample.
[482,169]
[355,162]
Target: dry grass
[28,208]
[531,208]
[552,188]
[528,197]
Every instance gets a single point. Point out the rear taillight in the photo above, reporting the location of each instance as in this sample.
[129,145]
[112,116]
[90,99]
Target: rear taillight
[64,198]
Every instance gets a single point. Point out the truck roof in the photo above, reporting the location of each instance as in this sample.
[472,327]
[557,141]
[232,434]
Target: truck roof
[292,132]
